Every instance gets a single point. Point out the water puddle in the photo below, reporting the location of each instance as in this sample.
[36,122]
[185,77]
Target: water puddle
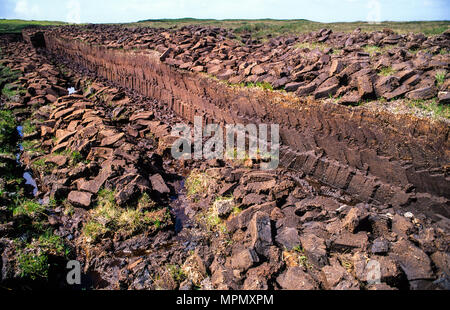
[20,131]
[179,202]
[29,180]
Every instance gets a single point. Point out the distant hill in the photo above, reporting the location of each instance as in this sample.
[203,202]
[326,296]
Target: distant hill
[190,19]
[16,25]
[261,28]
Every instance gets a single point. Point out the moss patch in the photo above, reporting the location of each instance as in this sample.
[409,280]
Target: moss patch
[386,71]
[33,257]
[196,183]
[108,218]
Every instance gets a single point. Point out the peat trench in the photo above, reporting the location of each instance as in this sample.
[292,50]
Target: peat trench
[375,155]
[231,225]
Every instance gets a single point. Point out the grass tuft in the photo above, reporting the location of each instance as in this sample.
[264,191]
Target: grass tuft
[440,77]
[28,127]
[262,28]
[7,131]
[28,208]
[312,46]
[261,85]
[386,71]
[431,106]
[32,146]
[32,258]
[176,273]
[108,218]
[32,265]
[196,183]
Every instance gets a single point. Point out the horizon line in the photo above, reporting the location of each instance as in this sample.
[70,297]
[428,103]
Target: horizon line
[228,19]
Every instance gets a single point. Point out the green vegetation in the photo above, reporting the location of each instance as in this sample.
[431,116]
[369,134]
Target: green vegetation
[32,146]
[298,249]
[8,133]
[302,259]
[346,263]
[69,210]
[10,185]
[33,265]
[212,221]
[17,25]
[176,273]
[337,51]
[36,243]
[106,197]
[232,154]
[261,85]
[440,78]
[223,198]
[75,158]
[93,230]
[431,106]
[28,127]
[33,258]
[107,217]
[196,183]
[29,208]
[145,202]
[312,46]
[7,75]
[52,202]
[386,71]
[415,51]
[373,49]
[12,90]
[236,210]
[40,165]
[239,157]
[134,220]
[296,257]
[8,80]
[262,28]
[52,244]
[87,86]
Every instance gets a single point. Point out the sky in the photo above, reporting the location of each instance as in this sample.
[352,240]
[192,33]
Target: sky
[120,11]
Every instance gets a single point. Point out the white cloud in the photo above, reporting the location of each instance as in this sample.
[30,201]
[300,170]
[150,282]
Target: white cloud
[74,14]
[374,14]
[102,11]
[24,10]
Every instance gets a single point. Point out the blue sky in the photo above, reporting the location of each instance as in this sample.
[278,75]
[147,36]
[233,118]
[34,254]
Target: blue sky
[102,11]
